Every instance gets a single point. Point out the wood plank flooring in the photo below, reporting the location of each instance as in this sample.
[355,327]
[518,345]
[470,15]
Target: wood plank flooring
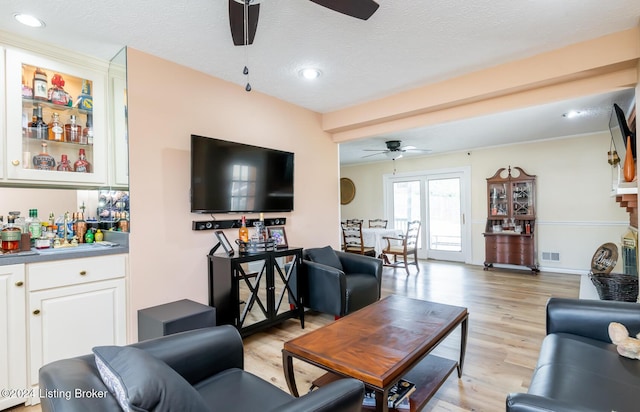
[506,327]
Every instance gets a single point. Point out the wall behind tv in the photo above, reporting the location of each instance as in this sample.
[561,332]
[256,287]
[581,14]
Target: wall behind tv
[167,103]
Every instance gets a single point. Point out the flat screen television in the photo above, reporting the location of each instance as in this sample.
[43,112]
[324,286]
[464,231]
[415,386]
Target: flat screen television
[619,130]
[229,177]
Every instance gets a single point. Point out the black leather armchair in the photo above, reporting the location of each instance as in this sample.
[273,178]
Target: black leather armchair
[579,369]
[339,283]
[210,360]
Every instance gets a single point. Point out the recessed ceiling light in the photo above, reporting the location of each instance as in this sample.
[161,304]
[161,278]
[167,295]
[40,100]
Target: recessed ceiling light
[310,73]
[28,20]
[571,114]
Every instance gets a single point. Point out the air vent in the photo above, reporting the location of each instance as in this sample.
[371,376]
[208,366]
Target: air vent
[551,256]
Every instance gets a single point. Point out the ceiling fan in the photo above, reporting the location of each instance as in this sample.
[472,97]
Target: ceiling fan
[395,150]
[244,35]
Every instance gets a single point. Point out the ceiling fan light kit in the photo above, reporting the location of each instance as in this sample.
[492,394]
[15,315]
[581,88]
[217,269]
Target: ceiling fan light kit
[395,150]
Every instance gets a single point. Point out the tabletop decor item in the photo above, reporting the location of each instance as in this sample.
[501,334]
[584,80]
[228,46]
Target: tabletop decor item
[279,236]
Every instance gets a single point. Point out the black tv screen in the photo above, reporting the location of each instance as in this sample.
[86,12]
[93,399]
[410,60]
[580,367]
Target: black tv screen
[619,130]
[234,177]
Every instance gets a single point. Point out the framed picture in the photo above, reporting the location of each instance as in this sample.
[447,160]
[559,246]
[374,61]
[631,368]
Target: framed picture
[224,242]
[278,234]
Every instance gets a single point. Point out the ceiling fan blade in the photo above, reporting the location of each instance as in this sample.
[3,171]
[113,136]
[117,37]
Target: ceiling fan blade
[360,9]
[374,154]
[236,22]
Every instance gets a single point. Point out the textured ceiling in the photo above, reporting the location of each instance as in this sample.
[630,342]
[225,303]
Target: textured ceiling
[405,44]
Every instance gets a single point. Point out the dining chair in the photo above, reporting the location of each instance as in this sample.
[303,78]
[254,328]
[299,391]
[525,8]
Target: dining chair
[352,240]
[354,220]
[408,245]
[379,223]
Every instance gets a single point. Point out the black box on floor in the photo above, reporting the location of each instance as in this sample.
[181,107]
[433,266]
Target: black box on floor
[174,317]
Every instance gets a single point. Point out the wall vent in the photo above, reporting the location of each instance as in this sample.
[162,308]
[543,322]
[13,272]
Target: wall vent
[551,256]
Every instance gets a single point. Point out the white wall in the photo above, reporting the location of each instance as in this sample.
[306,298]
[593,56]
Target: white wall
[575,212]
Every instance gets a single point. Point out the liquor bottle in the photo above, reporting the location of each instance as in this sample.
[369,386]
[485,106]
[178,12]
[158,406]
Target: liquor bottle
[64,165]
[40,85]
[87,132]
[89,237]
[35,228]
[243,233]
[72,131]
[56,131]
[38,129]
[123,223]
[82,165]
[43,160]
[81,227]
[262,235]
[10,236]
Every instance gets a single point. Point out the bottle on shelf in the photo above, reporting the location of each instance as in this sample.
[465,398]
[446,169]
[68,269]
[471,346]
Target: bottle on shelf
[38,129]
[243,232]
[82,165]
[35,227]
[11,236]
[81,227]
[89,236]
[98,236]
[123,223]
[64,165]
[43,160]
[72,130]
[56,131]
[87,132]
[40,85]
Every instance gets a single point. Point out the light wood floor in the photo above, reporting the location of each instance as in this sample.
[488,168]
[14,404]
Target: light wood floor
[506,327]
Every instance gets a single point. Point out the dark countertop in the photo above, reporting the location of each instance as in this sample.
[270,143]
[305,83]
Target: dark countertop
[82,251]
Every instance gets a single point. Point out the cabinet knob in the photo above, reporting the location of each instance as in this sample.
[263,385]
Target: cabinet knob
[15,162]
[83,272]
[19,283]
[36,312]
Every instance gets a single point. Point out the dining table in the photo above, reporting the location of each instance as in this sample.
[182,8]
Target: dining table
[375,237]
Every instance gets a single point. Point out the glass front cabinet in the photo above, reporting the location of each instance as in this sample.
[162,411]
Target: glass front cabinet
[56,122]
[510,229]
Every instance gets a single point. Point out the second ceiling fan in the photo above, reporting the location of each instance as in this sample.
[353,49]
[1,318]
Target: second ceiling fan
[243,34]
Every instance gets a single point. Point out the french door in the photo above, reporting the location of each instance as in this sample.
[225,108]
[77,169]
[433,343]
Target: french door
[440,200]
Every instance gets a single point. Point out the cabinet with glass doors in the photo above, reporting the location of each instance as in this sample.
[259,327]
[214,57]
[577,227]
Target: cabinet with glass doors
[510,228]
[56,132]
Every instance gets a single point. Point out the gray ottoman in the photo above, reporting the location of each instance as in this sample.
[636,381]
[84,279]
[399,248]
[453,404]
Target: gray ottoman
[174,317]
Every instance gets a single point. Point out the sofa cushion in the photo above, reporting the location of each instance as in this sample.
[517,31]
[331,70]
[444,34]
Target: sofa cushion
[325,256]
[216,392]
[586,372]
[141,382]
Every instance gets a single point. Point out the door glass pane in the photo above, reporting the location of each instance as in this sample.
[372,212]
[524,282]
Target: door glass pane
[444,215]
[406,203]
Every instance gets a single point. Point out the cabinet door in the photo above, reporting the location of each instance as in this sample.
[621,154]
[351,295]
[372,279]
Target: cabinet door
[2,112]
[119,159]
[498,200]
[13,355]
[68,321]
[522,200]
[23,143]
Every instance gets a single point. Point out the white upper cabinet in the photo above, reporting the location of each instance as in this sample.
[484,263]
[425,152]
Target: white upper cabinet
[71,100]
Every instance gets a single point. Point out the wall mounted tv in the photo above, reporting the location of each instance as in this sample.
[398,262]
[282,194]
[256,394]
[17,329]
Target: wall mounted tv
[231,177]
[619,130]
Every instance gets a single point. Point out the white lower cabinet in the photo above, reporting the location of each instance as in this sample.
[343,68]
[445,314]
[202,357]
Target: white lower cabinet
[74,305]
[13,352]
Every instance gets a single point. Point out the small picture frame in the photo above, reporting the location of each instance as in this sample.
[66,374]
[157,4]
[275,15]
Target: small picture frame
[224,242]
[278,234]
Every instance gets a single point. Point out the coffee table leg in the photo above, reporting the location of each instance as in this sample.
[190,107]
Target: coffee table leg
[381,402]
[287,364]
[463,344]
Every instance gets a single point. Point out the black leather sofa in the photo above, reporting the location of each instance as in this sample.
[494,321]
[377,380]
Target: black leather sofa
[204,372]
[578,368]
[338,283]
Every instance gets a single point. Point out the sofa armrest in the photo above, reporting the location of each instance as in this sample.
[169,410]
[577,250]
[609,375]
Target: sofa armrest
[355,263]
[325,288]
[591,318]
[344,395]
[198,354]
[524,402]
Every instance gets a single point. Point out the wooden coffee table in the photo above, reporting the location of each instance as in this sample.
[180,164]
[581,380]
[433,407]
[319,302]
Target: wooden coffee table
[382,343]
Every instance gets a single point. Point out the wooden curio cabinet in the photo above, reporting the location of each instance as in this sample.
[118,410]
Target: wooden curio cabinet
[510,230]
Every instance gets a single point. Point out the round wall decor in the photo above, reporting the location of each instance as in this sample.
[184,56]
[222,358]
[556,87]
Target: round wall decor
[347,190]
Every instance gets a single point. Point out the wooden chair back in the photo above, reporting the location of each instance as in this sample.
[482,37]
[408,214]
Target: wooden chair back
[352,239]
[411,237]
[379,223]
